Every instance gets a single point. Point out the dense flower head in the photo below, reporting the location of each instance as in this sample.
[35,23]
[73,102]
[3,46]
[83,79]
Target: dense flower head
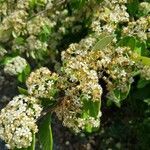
[18,121]
[144,8]
[42,21]
[87,70]
[145,72]
[138,28]
[113,65]
[15,22]
[108,14]
[15,66]
[42,83]
[70,111]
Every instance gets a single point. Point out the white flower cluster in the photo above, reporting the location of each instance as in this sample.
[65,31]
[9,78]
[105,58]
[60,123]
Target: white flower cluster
[145,72]
[83,80]
[35,25]
[144,8]
[139,28]
[86,69]
[15,66]
[94,122]
[16,22]
[108,14]
[41,83]
[78,69]
[70,111]
[115,63]
[18,121]
[34,49]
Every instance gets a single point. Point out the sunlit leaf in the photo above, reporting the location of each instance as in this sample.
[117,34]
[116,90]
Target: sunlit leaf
[103,42]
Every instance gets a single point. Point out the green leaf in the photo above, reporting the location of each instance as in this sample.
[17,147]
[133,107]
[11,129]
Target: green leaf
[5,34]
[23,76]
[6,60]
[147,101]
[32,147]
[47,29]
[45,133]
[44,35]
[144,60]
[32,3]
[104,41]
[132,7]
[141,48]
[77,4]
[142,83]
[22,91]
[128,41]
[117,96]
[120,95]
[27,70]
[14,34]
[90,109]
[19,41]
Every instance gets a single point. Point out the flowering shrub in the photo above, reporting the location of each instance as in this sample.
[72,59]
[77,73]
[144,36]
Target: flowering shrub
[68,57]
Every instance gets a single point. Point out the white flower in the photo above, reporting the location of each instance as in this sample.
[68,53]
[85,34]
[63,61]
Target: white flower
[18,121]
[41,82]
[15,66]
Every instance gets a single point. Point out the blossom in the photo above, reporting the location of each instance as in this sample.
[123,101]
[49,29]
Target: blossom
[18,121]
[145,72]
[42,83]
[15,65]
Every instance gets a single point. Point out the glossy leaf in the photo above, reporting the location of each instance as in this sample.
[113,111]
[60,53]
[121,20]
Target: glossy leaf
[142,83]
[144,60]
[23,76]
[90,109]
[128,41]
[104,41]
[45,133]
[22,91]
[77,4]
[132,7]
[118,96]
